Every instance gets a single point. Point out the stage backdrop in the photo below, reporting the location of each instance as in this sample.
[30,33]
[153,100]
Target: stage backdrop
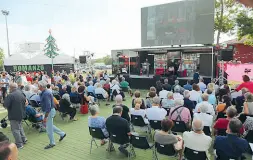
[183,22]
[43,67]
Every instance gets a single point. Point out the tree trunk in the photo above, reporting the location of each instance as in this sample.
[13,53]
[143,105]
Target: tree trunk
[220,20]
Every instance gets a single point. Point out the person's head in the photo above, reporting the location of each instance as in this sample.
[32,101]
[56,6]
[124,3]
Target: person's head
[166,81]
[245,78]
[242,118]
[156,101]
[204,97]
[99,85]
[210,86]
[81,89]
[231,112]
[137,103]
[94,109]
[226,99]
[186,94]
[176,82]
[249,97]
[66,96]
[8,151]
[179,102]
[13,86]
[152,89]
[137,94]
[73,89]
[177,89]
[234,126]
[114,82]
[28,88]
[117,110]
[42,85]
[203,108]
[170,95]
[152,94]
[195,87]
[48,86]
[209,91]
[197,125]
[118,99]
[90,83]
[166,125]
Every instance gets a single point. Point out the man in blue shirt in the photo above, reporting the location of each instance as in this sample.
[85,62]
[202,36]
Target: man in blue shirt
[231,146]
[188,86]
[91,88]
[47,106]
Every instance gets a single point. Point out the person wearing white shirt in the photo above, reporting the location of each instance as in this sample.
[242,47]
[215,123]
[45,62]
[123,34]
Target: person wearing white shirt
[195,95]
[57,78]
[202,85]
[206,119]
[138,111]
[196,139]
[100,90]
[115,86]
[205,102]
[163,94]
[177,94]
[156,112]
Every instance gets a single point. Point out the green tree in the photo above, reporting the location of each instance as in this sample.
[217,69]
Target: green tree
[225,14]
[107,60]
[1,59]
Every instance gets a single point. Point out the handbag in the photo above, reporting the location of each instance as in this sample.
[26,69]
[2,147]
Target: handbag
[84,109]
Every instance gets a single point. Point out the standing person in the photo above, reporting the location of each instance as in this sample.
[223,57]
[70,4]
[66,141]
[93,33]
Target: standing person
[4,82]
[15,103]
[196,77]
[47,106]
[146,65]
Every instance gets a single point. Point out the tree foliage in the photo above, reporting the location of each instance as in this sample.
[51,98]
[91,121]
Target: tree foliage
[1,59]
[107,60]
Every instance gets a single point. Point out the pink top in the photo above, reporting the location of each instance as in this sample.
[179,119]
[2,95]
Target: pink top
[183,113]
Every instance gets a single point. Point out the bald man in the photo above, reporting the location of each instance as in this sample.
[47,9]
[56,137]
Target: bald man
[8,151]
[203,142]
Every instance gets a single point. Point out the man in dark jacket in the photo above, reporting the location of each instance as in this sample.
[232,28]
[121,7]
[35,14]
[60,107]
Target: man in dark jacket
[15,104]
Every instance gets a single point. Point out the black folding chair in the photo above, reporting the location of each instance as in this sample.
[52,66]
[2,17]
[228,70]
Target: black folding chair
[117,139]
[249,136]
[156,125]
[207,130]
[179,126]
[222,156]
[137,120]
[167,150]
[221,132]
[96,133]
[34,104]
[139,142]
[194,155]
[100,97]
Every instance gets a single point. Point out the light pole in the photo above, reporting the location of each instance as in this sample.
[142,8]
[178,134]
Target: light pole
[6,13]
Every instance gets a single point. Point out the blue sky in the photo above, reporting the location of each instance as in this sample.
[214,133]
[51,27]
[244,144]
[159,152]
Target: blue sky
[95,25]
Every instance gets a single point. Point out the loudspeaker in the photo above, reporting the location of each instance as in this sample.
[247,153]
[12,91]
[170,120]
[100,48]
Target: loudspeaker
[226,55]
[205,65]
[82,59]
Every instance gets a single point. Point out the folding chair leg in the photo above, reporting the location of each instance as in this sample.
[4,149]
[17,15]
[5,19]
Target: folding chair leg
[91,144]
[154,155]
[110,146]
[95,143]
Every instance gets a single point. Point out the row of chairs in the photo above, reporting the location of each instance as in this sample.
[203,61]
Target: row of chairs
[141,142]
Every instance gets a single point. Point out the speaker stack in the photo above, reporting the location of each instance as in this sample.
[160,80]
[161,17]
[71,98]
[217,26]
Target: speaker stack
[82,59]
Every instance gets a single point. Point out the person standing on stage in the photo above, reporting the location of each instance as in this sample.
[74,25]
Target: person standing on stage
[147,67]
[47,106]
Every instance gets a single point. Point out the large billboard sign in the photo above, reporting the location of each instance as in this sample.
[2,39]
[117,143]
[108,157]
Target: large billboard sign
[178,23]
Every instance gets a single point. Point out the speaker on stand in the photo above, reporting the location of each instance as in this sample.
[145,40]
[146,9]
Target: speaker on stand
[82,59]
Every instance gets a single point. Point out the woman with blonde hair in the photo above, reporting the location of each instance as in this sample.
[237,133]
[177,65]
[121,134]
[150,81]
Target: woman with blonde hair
[248,104]
[138,111]
[211,86]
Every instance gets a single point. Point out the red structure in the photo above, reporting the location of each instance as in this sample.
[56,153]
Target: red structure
[242,52]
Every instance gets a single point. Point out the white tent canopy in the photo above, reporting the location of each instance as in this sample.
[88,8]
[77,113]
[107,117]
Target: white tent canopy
[20,59]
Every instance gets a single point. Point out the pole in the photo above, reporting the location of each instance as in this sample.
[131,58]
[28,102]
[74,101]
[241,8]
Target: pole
[7,36]
[212,63]
[129,63]
[52,58]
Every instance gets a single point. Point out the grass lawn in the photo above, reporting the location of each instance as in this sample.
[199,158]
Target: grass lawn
[76,145]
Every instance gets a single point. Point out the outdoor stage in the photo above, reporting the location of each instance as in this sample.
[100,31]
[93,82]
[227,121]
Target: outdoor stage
[145,82]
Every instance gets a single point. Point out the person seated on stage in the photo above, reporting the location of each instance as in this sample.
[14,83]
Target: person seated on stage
[149,99]
[66,107]
[97,122]
[248,104]
[169,101]
[196,139]
[8,150]
[222,107]
[116,125]
[137,94]
[188,103]
[231,146]
[163,93]
[177,94]
[125,112]
[166,85]
[202,85]
[165,136]
[125,86]
[156,112]
[176,84]
[100,90]
[188,85]
[205,101]
[180,113]
[211,97]
[91,88]
[138,111]
[206,119]
[247,122]
[195,94]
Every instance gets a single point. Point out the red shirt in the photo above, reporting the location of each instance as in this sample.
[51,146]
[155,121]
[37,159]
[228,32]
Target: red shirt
[222,123]
[248,85]
[29,78]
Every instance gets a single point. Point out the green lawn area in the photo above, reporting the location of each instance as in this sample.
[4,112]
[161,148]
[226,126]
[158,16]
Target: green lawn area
[76,145]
